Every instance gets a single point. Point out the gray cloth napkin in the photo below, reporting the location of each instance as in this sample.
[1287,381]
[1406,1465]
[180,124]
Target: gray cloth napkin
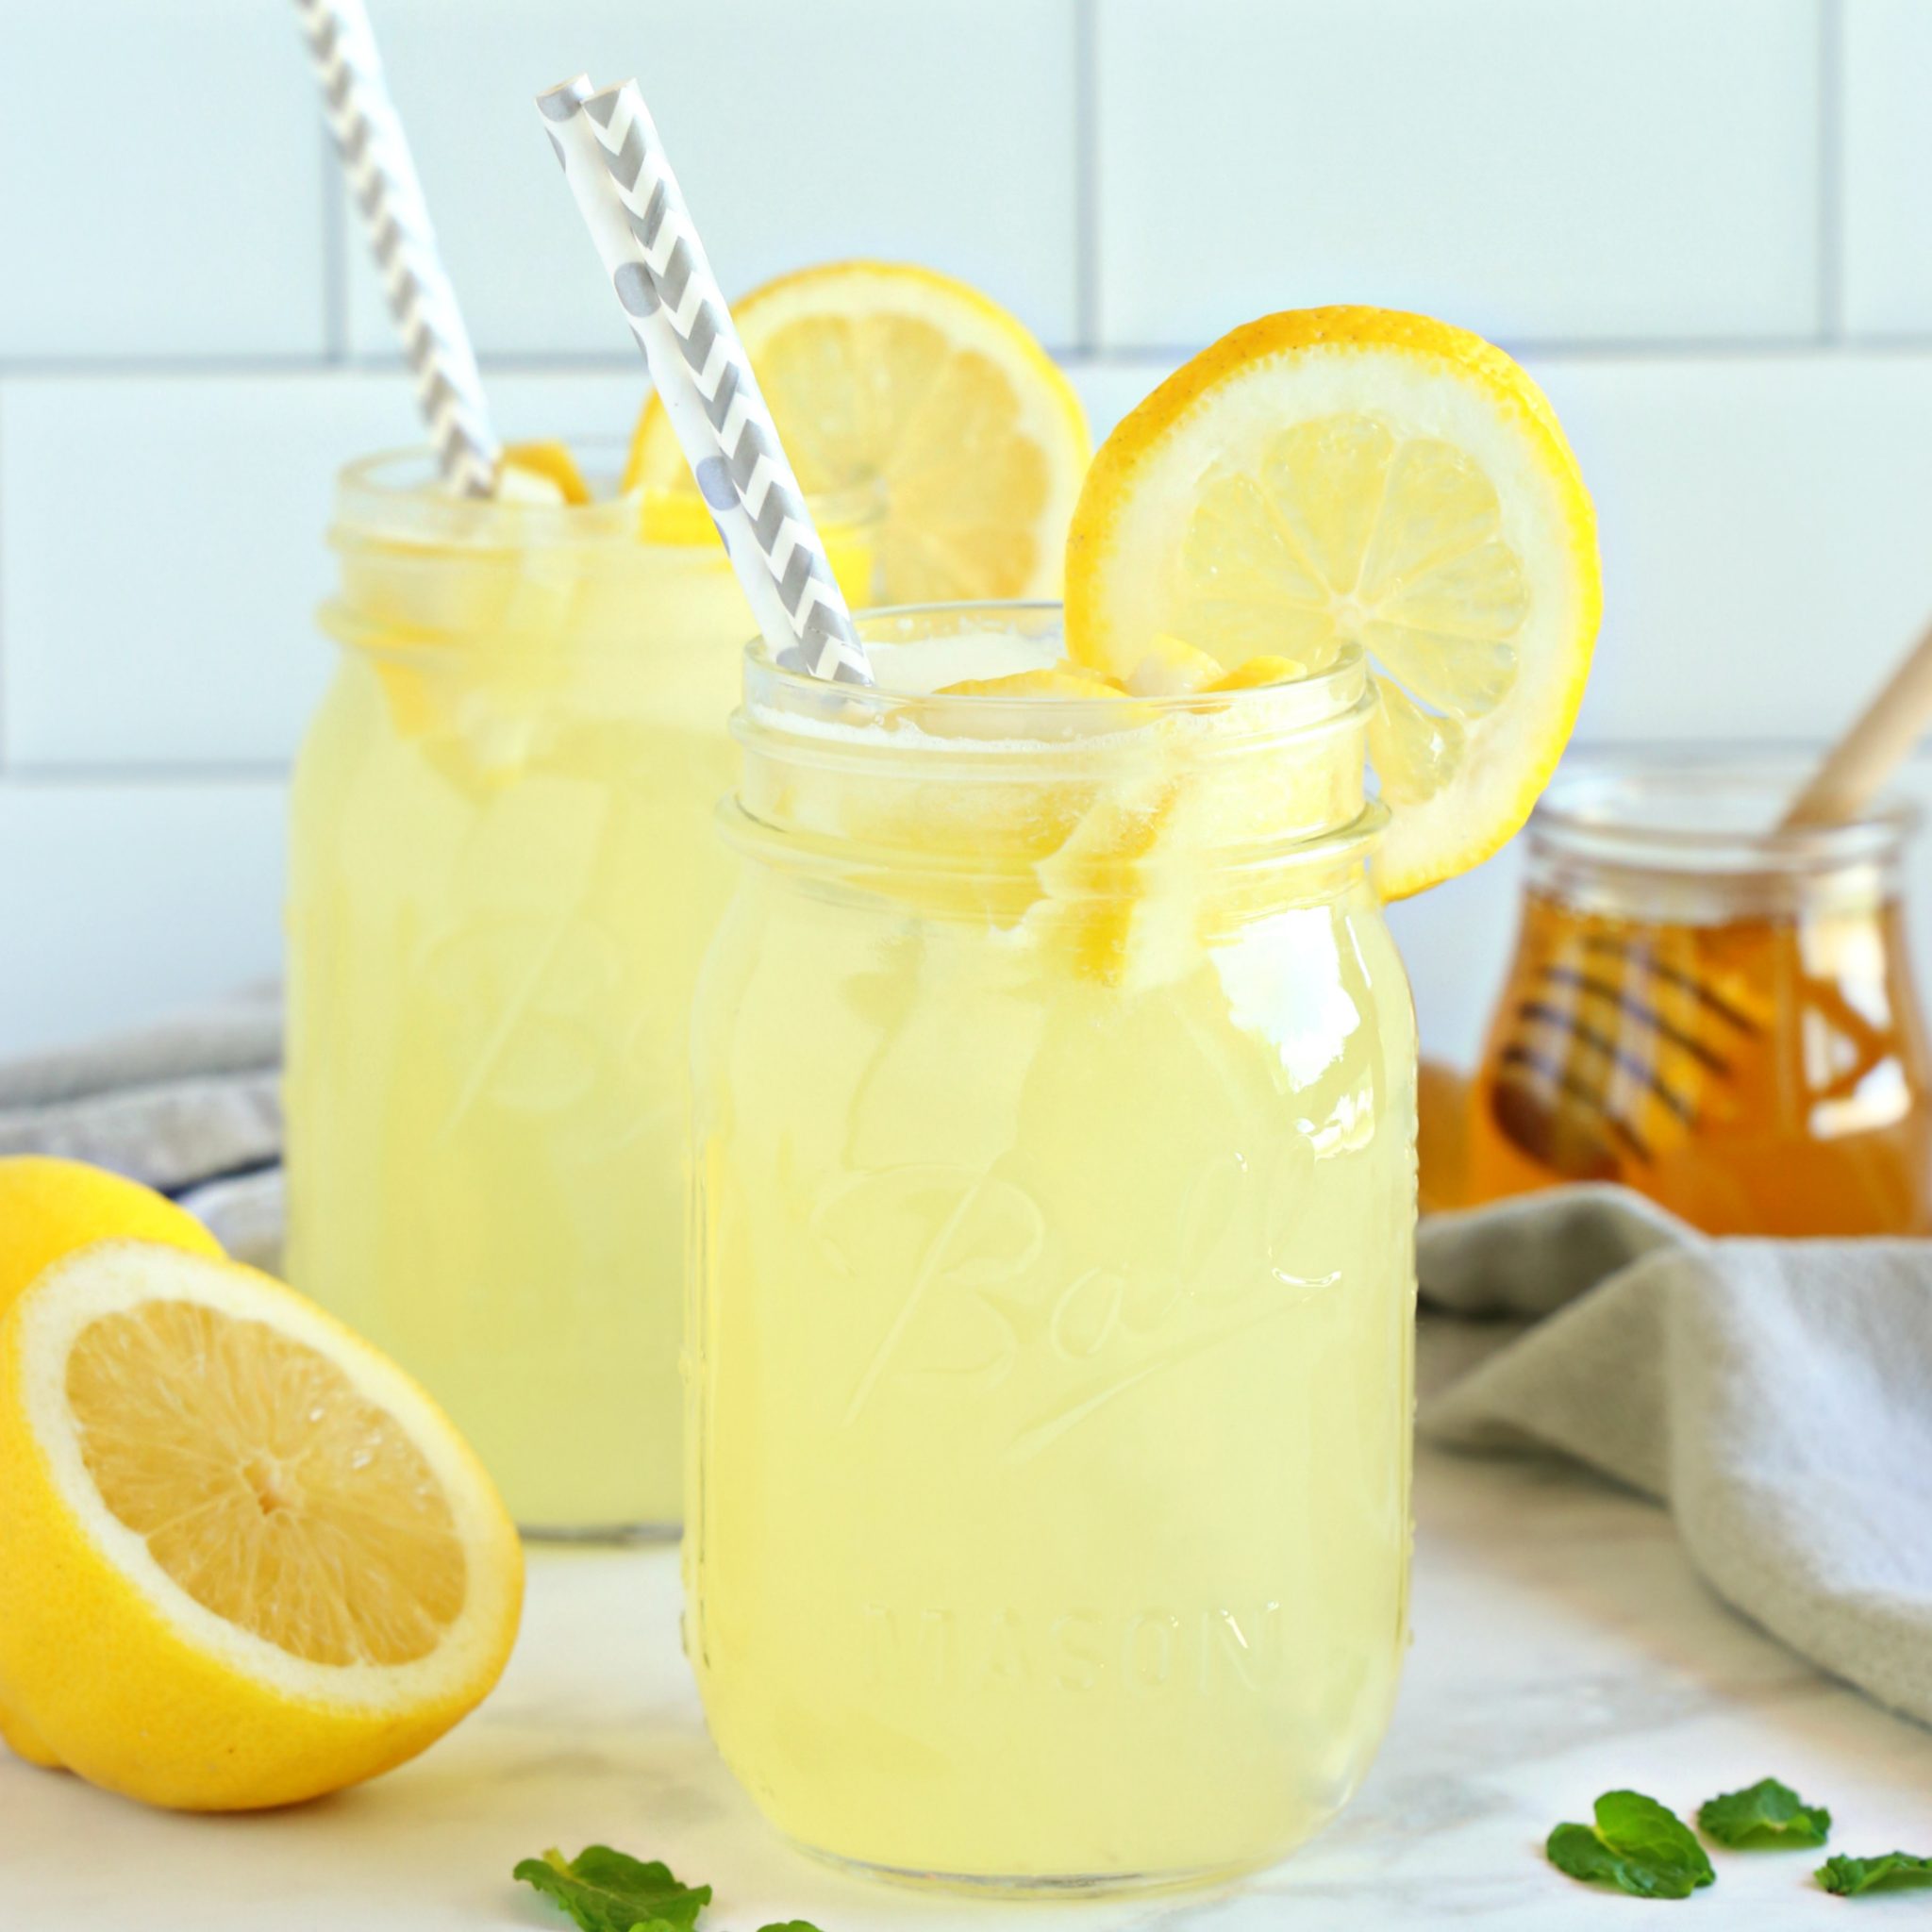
[1777,1396]
[190,1105]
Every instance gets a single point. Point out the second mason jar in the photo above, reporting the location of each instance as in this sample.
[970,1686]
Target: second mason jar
[502,875]
[1053,1277]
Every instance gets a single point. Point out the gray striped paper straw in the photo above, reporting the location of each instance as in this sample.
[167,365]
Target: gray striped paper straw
[713,363]
[618,249]
[382,178]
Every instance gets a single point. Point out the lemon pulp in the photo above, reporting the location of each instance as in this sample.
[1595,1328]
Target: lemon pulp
[1352,532]
[889,377]
[264,1485]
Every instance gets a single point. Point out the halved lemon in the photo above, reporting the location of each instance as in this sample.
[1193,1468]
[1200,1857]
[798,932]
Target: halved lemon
[1337,476]
[48,1208]
[247,1561]
[879,373]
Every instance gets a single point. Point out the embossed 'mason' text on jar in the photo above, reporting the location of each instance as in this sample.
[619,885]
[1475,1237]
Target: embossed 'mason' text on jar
[1149,1653]
[1053,1270]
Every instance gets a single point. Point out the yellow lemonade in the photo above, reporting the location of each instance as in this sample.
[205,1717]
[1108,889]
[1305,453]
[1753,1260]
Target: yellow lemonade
[504,873]
[1053,1283]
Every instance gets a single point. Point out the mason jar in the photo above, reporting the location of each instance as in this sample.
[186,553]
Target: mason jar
[1053,1270]
[1715,1010]
[502,875]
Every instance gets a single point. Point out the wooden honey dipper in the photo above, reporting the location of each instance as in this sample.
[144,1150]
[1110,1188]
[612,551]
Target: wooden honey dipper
[1882,737]
[1616,1042]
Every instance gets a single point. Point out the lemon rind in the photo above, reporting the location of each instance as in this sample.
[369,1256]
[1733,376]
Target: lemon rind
[115,1277]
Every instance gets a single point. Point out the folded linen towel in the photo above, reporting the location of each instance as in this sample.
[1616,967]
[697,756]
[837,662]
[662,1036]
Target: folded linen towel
[190,1105]
[1777,1396]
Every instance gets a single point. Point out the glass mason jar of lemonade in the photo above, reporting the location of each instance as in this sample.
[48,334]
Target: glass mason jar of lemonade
[1717,1015]
[1054,1138]
[504,873]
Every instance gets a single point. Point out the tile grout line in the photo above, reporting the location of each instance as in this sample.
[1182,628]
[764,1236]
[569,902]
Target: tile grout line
[54,775]
[59,775]
[6,707]
[1640,350]
[1831,134]
[592,362]
[1086,109]
[335,263]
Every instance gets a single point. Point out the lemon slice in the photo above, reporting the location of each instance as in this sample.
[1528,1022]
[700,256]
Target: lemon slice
[247,1560]
[1089,704]
[1337,476]
[541,472]
[880,372]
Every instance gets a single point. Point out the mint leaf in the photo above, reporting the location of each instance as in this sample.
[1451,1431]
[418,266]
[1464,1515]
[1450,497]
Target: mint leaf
[1637,1846]
[1766,1814]
[606,1891]
[1892,1871]
[1644,1831]
[791,1925]
[1577,1850]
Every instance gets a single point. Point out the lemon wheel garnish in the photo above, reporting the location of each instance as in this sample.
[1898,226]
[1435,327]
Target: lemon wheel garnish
[1332,477]
[248,1560]
[883,374]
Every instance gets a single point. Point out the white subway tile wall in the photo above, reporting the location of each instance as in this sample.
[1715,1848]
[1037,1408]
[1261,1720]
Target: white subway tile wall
[125,900]
[163,551]
[1701,222]
[1887,160]
[1537,170]
[162,186]
[803,130]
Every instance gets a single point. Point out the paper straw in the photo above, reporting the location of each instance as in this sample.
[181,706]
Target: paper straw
[716,366]
[577,149]
[382,178]
[702,372]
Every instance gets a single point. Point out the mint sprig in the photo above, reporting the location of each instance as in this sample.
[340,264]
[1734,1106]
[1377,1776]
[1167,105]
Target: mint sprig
[1763,1816]
[606,1891]
[1637,1845]
[1888,1871]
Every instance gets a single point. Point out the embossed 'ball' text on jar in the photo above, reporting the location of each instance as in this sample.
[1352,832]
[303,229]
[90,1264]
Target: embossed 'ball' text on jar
[1052,1273]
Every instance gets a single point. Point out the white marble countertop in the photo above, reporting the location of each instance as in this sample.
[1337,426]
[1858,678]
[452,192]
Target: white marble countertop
[1562,1646]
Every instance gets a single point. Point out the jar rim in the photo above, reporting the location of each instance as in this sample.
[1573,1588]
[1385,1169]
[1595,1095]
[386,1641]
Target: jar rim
[1704,808]
[828,855]
[1283,762]
[780,696]
[395,496]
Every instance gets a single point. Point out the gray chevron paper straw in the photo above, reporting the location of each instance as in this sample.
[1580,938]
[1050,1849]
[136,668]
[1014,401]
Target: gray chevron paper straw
[618,249]
[714,364]
[382,179]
